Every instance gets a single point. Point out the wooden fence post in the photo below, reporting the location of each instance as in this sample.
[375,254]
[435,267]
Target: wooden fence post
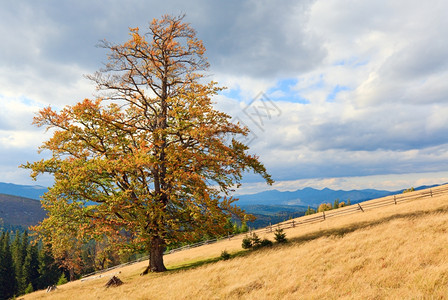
[430,192]
[323,214]
[395,200]
[270,226]
[360,207]
[293,224]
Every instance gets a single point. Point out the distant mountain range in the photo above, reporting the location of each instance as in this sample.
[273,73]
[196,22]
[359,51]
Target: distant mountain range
[17,206]
[310,196]
[27,191]
[313,197]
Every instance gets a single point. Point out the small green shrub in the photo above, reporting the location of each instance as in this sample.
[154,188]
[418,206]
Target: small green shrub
[266,243]
[247,243]
[280,236]
[310,211]
[256,242]
[409,190]
[29,289]
[225,255]
[62,279]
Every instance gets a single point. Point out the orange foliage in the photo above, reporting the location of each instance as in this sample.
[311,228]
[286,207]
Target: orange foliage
[147,165]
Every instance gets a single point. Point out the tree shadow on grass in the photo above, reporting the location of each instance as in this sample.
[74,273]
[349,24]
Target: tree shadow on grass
[199,263]
[336,232]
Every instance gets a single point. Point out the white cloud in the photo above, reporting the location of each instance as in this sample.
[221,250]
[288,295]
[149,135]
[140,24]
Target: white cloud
[359,86]
[20,139]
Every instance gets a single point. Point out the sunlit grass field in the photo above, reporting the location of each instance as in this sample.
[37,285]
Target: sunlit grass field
[393,252]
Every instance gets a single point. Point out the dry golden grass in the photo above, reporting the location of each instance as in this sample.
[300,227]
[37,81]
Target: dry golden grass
[393,252]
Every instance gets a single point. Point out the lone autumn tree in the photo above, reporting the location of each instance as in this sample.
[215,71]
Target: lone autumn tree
[149,162]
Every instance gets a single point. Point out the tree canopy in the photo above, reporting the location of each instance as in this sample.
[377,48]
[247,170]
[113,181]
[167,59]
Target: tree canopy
[148,162]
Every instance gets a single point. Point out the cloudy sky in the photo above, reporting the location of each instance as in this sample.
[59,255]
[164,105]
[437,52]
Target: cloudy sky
[341,94]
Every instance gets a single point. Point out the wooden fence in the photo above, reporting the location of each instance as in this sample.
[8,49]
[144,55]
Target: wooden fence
[314,218]
[357,208]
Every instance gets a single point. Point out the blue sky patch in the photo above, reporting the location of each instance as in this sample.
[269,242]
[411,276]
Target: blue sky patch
[336,90]
[232,93]
[285,90]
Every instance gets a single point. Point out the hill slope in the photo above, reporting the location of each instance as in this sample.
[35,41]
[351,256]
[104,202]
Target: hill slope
[19,211]
[395,252]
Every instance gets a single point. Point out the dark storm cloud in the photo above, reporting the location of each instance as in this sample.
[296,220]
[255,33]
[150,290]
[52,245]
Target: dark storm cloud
[262,39]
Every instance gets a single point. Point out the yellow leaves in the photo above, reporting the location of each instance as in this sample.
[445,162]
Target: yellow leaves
[150,157]
[134,30]
[43,115]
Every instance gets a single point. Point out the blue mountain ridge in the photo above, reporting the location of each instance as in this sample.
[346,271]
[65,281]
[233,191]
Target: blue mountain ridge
[310,196]
[301,197]
[27,191]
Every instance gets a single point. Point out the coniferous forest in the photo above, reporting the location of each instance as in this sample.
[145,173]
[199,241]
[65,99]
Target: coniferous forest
[25,266]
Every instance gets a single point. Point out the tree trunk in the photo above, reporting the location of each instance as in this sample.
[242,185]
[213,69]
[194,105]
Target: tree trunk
[157,247]
[71,273]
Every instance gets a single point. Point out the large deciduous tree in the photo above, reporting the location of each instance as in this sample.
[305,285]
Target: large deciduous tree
[149,162]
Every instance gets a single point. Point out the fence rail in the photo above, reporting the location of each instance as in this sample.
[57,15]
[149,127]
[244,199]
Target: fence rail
[311,219]
[359,207]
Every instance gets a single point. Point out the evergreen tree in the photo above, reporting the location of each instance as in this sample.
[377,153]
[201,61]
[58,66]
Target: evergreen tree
[235,229]
[31,267]
[29,288]
[280,236]
[20,253]
[336,204]
[8,283]
[24,245]
[310,211]
[49,272]
[244,227]
[63,279]
[16,250]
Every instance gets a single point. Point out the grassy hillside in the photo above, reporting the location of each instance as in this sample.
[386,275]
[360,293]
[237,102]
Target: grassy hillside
[19,211]
[394,252]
